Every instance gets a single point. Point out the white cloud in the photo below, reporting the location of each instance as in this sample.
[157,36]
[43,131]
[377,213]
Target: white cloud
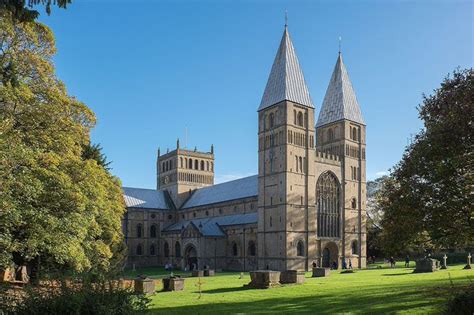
[382,173]
[228,177]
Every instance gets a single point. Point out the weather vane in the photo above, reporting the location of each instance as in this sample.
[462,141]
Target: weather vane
[340,39]
[286,18]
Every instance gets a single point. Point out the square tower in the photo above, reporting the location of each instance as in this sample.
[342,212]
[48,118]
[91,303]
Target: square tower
[341,131]
[285,168]
[181,171]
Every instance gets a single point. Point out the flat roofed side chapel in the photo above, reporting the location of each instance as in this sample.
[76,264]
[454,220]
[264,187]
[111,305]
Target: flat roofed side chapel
[306,204]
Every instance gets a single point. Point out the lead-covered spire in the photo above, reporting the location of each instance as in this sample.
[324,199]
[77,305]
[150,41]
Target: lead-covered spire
[340,101]
[286,80]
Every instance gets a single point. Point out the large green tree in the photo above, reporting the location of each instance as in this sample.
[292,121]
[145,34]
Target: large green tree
[429,200]
[59,205]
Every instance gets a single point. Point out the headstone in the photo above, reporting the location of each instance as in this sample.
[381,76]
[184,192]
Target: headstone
[173,284]
[320,272]
[197,273]
[208,272]
[468,266]
[445,265]
[292,276]
[427,265]
[264,279]
[144,285]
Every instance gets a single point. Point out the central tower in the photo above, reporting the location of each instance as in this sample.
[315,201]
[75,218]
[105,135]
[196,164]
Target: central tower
[285,165]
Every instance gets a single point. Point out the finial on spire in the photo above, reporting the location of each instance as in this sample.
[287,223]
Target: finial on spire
[177,143]
[340,39]
[286,18]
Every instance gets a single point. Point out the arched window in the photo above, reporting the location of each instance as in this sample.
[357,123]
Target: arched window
[354,203]
[294,116]
[354,134]
[212,166]
[330,135]
[355,248]
[166,250]
[139,230]
[234,249]
[271,120]
[153,231]
[181,162]
[300,248]
[252,250]
[152,250]
[196,164]
[163,167]
[190,164]
[301,164]
[327,205]
[297,168]
[207,213]
[177,249]
[202,165]
[139,250]
[300,119]
[207,166]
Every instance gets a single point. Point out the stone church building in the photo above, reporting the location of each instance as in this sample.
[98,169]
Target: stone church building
[306,204]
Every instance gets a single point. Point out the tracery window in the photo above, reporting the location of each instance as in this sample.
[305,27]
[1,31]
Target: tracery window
[252,248]
[234,249]
[177,249]
[153,231]
[328,205]
[166,249]
[300,119]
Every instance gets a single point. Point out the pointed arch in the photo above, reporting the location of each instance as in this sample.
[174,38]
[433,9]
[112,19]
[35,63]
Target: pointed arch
[328,205]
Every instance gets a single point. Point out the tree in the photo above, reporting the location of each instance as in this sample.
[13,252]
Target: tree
[60,208]
[428,201]
[374,216]
[23,11]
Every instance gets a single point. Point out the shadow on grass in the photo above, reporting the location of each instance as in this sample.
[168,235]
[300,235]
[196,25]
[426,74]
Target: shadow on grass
[226,290]
[321,304]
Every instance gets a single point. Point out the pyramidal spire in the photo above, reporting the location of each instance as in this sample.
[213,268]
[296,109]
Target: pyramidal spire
[340,101]
[286,80]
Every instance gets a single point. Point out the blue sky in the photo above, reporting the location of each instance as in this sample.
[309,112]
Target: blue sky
[150,69]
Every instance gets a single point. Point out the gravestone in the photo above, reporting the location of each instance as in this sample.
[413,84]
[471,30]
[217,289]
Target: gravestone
[144,285]
[264,279]
[292,276]
[445,265]
[427,265]
[197,273]
[173,284]
[320,272]
[468,266]
[208,272]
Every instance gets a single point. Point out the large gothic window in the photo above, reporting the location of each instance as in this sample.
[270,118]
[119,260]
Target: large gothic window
[328,205]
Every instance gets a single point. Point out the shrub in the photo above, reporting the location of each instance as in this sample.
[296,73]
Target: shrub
[462,302]
[77,297]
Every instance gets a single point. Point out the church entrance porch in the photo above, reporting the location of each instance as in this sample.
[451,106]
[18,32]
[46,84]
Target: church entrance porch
[190,257]
[330,256]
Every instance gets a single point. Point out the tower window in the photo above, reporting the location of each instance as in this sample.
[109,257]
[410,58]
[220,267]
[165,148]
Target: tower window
[139,250]
[354,134]
[152,250]
[354,203]
[139,230]
[300,248]
[202,165]
[207,165]
[196,164]
[355,248]
[190,164]
[234,249]
[294,116]
[300,119]
[153,231]
[271,120]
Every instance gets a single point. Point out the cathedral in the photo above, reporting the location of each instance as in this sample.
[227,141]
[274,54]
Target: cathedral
[306,205]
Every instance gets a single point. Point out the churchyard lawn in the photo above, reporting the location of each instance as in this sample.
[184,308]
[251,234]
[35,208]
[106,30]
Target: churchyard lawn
[379,291]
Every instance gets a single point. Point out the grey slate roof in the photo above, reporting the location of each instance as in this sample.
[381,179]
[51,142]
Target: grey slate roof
[286,80]
[146,198]
[340,101]
[212,226]
[236,189]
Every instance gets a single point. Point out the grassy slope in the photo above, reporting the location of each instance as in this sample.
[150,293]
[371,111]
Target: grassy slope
[366,291]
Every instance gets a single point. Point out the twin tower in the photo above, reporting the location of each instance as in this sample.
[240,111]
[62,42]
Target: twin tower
[311,175]
[312,183]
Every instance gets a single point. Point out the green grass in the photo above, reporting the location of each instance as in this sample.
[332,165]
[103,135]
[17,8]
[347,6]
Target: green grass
[373,291]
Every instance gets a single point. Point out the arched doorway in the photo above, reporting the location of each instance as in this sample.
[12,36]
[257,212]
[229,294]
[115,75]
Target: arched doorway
[190,256]
[330,255]
[326,258]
